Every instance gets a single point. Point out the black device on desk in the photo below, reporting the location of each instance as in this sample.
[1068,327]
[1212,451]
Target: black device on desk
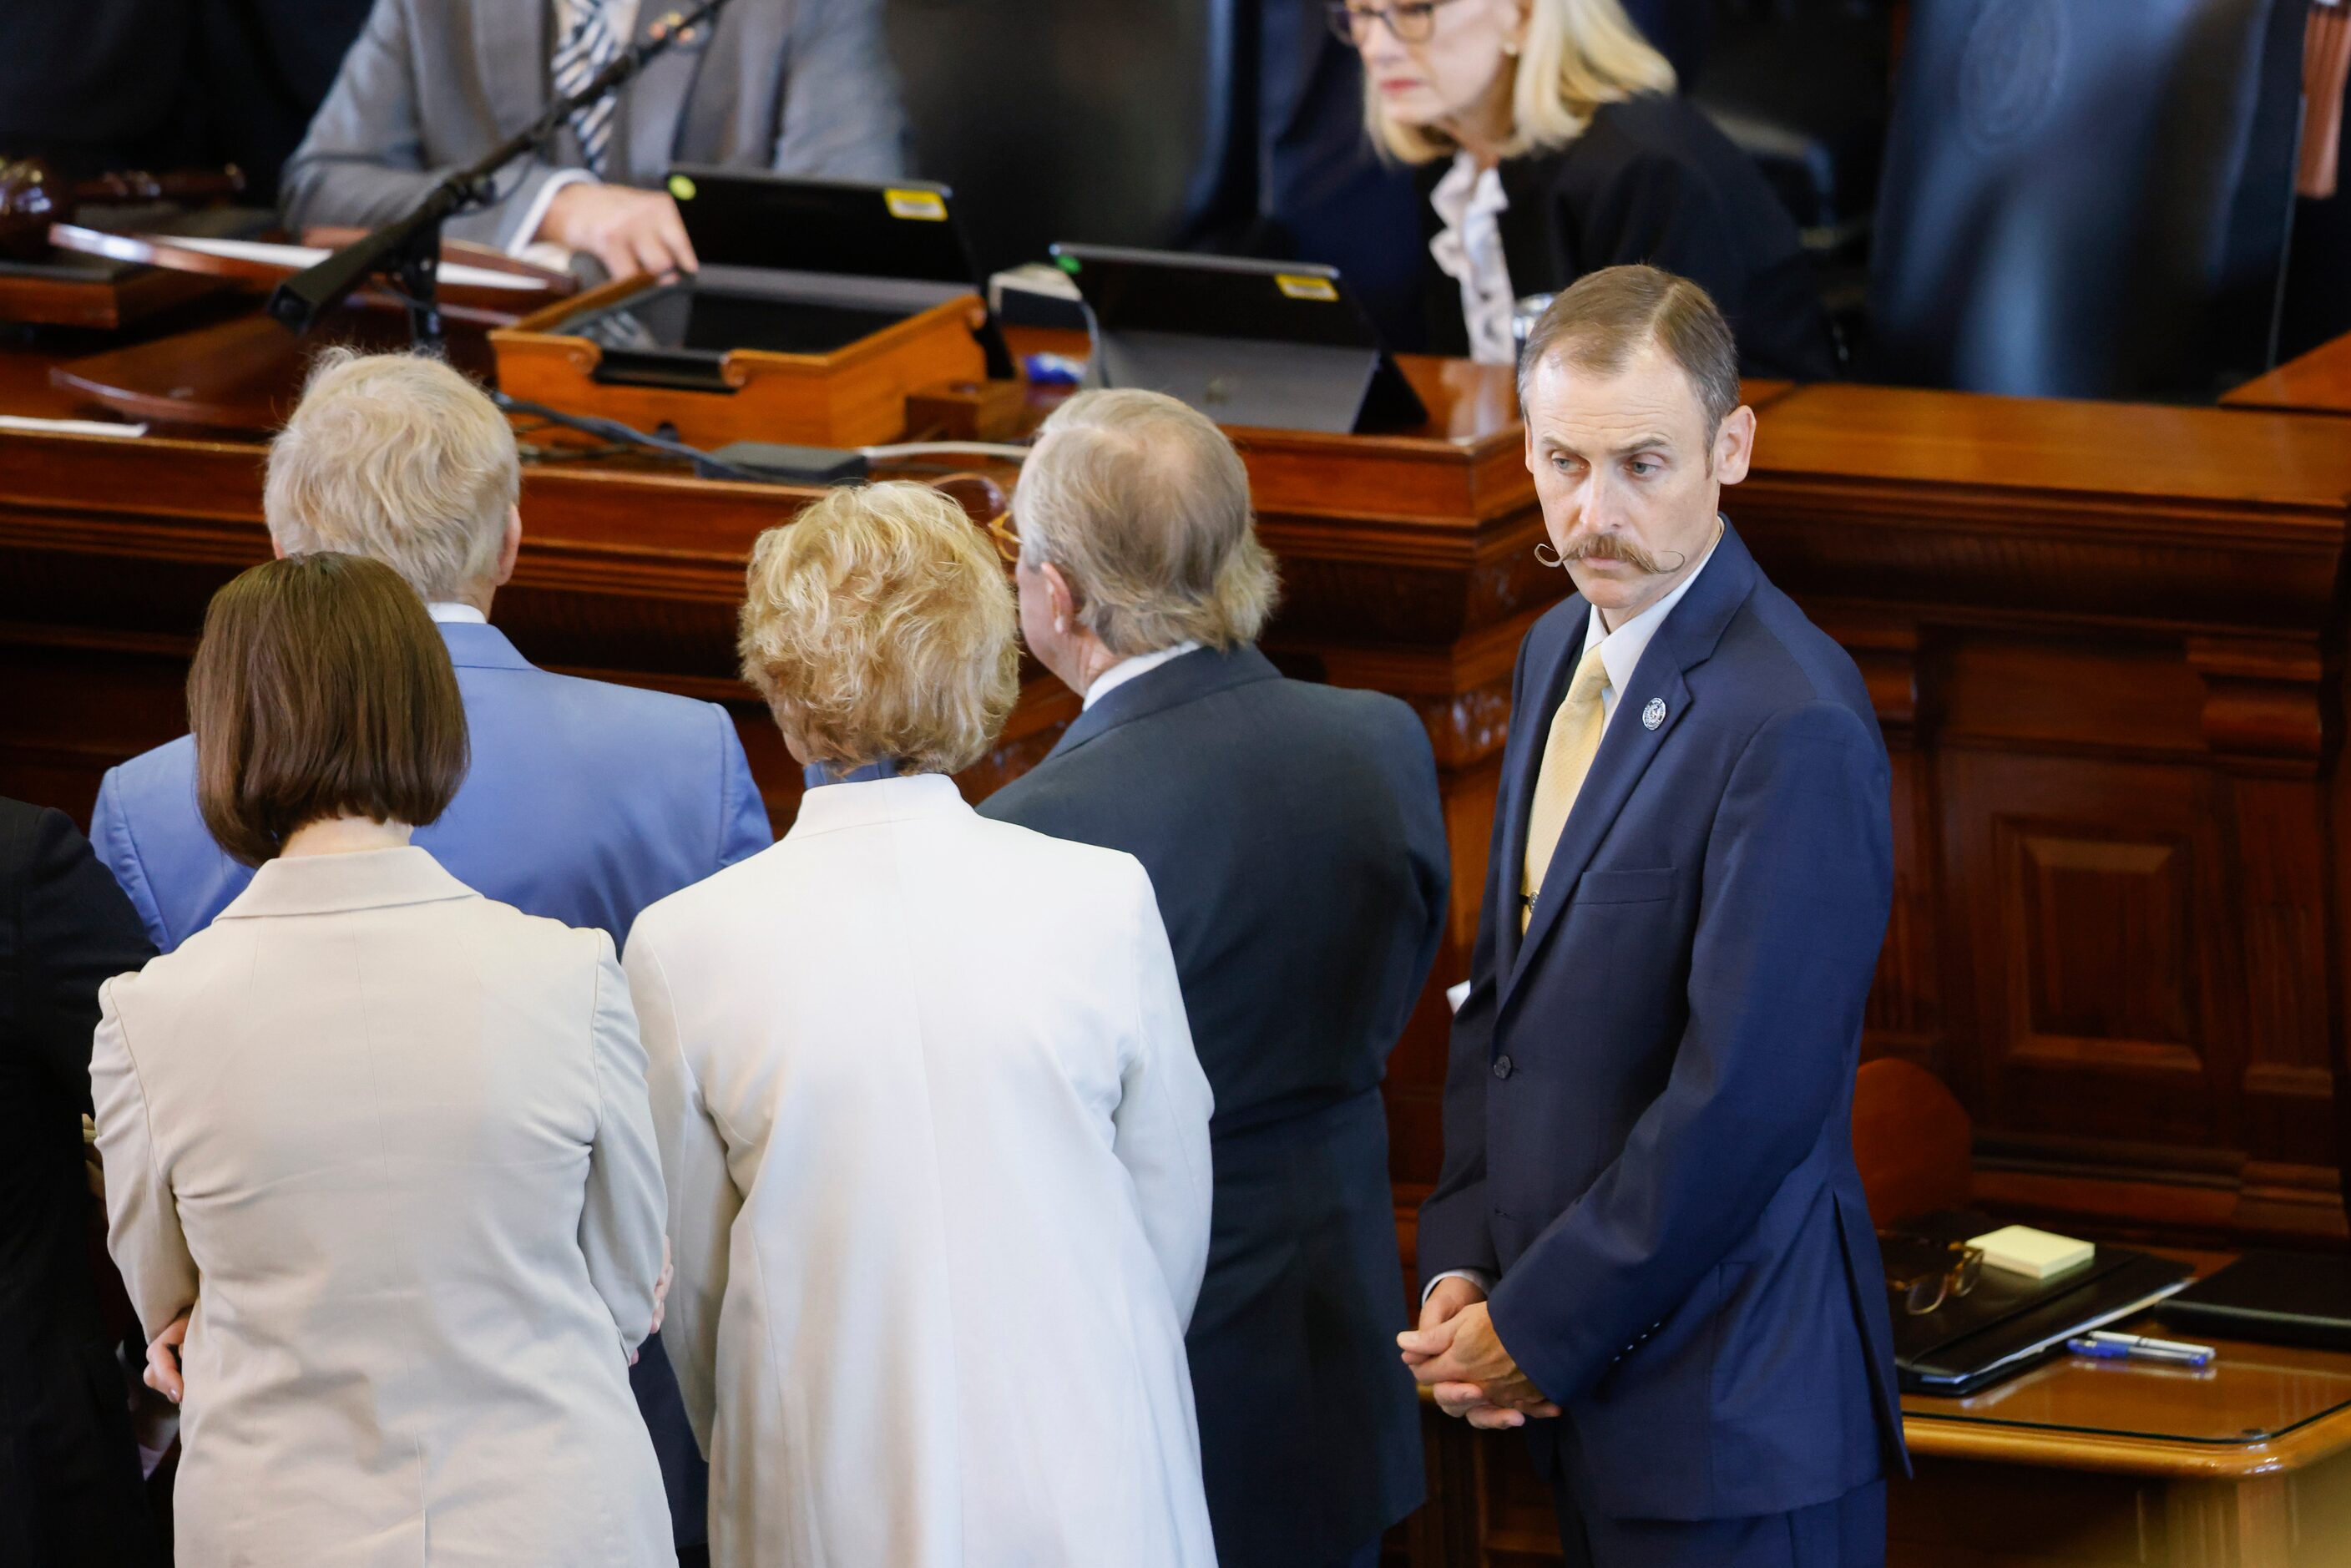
[2271,1298]
[1282,345]
[789,266]
[2008,1323]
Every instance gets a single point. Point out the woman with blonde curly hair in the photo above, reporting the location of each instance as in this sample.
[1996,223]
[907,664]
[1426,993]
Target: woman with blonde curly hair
[1550,144]
[936,1139]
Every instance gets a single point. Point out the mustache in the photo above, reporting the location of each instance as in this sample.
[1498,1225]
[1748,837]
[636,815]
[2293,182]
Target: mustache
[1614,547]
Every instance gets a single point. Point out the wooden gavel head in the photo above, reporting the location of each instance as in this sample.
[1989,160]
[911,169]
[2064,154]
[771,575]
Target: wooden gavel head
[32,197]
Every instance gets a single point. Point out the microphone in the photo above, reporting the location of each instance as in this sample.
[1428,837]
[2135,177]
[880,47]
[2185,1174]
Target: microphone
[406,252]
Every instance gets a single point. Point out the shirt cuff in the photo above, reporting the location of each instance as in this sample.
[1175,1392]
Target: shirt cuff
[1478,1277]
[526,233]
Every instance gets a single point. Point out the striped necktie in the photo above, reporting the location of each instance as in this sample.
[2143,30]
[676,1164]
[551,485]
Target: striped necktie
[588,47]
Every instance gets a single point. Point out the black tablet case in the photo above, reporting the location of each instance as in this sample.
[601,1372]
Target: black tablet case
[2274,1298]
[1279,345]
[1973,1342]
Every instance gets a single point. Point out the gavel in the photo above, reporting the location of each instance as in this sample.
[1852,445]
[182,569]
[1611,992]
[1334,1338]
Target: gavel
[32,198]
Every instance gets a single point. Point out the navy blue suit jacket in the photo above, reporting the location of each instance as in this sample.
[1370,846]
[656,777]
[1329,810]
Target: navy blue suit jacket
[1647,1113]
[1296,845]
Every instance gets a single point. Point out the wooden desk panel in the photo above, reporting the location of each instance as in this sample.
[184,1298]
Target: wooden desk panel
[2318,382]
[2099,638]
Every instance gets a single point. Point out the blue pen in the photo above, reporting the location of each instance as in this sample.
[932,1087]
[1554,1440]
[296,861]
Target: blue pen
[2103,1346]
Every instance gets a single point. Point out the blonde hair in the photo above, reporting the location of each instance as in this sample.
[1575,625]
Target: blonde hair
[1577,55]
[399,458]
[1144,504]
[878,623]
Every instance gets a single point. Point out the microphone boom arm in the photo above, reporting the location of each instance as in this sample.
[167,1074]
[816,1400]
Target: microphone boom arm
[407,250]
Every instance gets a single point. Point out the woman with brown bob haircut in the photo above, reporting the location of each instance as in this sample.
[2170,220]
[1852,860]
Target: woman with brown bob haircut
[381,1172]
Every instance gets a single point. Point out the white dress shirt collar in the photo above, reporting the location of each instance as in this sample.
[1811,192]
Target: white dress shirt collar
[445,611]
[1470,201]
[1126,670]
[1621,650]
[872,802]
[621,15]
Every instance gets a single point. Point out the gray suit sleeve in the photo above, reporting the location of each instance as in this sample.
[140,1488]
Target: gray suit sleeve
[843,117]
[363,162]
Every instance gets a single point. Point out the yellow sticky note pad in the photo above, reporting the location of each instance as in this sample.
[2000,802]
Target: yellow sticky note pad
[920,206]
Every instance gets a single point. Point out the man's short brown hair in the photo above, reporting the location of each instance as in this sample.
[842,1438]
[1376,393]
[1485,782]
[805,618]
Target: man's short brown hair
[1605,318]
[322,689]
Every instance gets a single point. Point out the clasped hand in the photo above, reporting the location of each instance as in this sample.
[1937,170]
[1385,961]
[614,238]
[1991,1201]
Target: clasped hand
[1458,1356]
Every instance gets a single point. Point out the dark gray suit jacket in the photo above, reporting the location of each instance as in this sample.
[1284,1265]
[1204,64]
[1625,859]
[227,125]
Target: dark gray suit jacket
[1296,842]
[801,87]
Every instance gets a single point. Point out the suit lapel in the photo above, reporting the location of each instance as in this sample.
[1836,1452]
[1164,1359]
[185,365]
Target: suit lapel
[1530,240]
[1687,638]
[512,52]
[652,108]
[1521,771]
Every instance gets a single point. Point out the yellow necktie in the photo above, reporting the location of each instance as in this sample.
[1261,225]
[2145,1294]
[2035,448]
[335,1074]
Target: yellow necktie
[1568,751]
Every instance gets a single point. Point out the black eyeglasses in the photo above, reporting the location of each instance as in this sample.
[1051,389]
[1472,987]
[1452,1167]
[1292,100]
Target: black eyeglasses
[1411,21]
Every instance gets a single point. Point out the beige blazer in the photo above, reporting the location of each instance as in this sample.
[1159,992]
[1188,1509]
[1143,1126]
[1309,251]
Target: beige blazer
[391,1140]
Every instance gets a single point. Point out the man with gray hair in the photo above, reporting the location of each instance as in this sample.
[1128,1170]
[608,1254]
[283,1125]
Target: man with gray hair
[1296,843]
[585,803]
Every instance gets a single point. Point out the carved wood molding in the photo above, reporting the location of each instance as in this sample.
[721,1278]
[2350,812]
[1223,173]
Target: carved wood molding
[2263,704]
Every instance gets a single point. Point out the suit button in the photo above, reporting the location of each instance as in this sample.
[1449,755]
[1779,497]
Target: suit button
[1501,1067]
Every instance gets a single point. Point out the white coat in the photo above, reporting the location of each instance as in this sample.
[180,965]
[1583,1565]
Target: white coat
[936,1147]
[390,1139]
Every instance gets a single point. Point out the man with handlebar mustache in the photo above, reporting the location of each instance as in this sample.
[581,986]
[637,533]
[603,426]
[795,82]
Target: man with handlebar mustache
[1649,1246]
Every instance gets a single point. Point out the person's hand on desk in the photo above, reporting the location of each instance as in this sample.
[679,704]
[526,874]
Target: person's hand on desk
[1457,1355]
[629,231]
[163,1373]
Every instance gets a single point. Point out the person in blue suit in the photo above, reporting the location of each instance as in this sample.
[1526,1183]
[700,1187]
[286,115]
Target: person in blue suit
[1296,845]
[585,801]
[1649,1246]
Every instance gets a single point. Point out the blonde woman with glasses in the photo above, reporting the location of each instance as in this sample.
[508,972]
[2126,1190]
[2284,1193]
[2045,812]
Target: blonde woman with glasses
[1550,144]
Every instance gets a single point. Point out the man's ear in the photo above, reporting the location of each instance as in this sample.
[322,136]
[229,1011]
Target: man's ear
[1059,596]
[509,546]
[1734,446]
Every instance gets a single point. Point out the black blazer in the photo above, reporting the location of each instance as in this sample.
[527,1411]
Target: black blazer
[1651,180]
[69,1486]
[1296,842]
